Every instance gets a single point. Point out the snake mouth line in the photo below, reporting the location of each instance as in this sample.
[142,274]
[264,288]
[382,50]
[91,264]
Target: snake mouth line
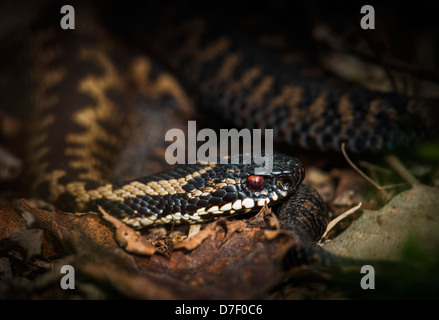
[206,214]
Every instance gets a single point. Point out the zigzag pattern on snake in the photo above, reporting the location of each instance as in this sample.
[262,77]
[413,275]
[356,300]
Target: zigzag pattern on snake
[80,85]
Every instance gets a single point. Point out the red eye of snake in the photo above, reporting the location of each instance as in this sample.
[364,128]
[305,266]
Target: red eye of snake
[255,183]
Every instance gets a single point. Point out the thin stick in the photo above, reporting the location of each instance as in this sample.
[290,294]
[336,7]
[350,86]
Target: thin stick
[376,185]
[194,229]
[374,167]
[382,189]
[401,170]
[340,217]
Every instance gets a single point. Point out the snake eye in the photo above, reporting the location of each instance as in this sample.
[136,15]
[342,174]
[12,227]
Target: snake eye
[283,183]
[255,183]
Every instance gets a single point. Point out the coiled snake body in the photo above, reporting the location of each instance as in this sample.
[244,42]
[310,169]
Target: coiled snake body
[79,81]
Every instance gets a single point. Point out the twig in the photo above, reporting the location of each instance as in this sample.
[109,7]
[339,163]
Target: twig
[368,179]
[382,189]
[401,170]
[334,222]
[374,167]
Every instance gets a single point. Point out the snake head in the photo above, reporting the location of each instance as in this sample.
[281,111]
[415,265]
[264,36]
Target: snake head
[238,188]
[286,175]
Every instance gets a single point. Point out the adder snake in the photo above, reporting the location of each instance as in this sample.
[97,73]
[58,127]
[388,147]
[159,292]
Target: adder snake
[78,84]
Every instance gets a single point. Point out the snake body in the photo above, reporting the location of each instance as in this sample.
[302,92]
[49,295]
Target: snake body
[77,83]
[191,193]
[238,74]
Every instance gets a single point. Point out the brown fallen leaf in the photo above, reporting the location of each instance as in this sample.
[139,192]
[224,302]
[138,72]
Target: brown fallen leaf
[128,238]
[192,242]
[232,227]
[271,234]
[209,231]
[11,221]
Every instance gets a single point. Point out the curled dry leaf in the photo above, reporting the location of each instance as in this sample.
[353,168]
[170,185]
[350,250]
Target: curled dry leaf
[210,231]
[127,238]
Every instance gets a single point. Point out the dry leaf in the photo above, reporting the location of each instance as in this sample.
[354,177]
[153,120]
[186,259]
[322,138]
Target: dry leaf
[129,239]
